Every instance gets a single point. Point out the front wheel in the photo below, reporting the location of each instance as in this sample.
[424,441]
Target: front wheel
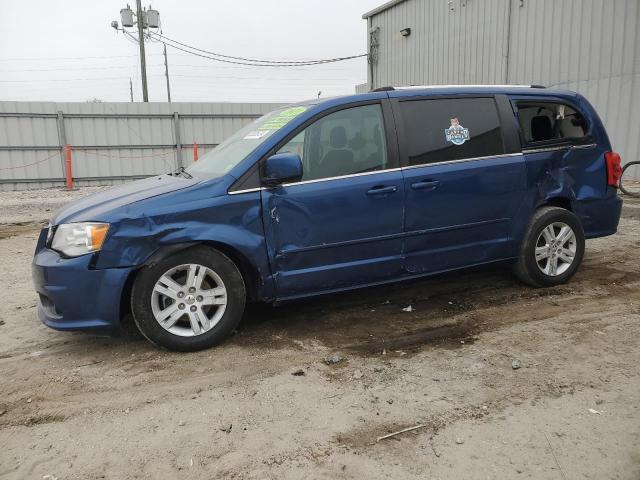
[189,301]
[552,249]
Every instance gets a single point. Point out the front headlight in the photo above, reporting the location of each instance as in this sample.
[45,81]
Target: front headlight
[75,239]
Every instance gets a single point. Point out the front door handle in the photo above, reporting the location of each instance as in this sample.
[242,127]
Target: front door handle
[382,190]
[425,185]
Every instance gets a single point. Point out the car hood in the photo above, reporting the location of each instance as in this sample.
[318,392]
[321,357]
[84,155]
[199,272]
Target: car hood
[95,207]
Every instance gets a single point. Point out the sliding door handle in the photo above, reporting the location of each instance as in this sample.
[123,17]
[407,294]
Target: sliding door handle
[382,190]
[426,185]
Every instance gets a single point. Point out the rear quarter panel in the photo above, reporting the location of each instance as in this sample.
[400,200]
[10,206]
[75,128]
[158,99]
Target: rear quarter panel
[574,176]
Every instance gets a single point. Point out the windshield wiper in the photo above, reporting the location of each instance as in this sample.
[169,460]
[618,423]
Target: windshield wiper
[181,171]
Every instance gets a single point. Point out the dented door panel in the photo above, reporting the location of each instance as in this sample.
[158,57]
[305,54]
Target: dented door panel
[334,233]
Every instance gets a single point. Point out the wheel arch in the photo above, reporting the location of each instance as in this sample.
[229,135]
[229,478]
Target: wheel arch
[559,201]
[249,272]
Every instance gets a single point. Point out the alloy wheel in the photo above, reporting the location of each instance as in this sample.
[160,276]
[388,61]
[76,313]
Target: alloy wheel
[555,249]
[189,300]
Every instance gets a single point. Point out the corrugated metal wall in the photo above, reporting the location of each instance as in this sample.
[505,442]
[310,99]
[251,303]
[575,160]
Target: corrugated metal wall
[448,41]
[590,46]
[362,88]
[111,142]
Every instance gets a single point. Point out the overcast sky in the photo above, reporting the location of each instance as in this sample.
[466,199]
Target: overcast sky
[67,51]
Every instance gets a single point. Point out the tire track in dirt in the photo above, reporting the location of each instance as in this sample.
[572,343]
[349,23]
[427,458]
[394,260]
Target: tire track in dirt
[8,230]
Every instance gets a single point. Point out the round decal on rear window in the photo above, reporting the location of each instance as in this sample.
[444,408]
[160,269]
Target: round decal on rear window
[456,133]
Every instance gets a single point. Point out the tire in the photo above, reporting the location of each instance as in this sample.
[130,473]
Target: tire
[626,191]
[545,223]
[194,319]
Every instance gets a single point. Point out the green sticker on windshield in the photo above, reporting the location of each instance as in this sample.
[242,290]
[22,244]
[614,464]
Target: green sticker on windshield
[282,118]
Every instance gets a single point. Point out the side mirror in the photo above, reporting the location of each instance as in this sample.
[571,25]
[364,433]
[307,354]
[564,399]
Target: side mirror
[281,168]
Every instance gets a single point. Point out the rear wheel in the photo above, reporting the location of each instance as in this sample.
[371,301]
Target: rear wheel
[629,186]
[189,301]
[552,249]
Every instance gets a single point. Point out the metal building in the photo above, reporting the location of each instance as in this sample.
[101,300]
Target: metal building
[590,46]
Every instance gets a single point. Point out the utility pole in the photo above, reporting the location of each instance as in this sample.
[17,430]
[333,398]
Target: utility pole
[131,89]
[148,18]
[166,72]
[143,60]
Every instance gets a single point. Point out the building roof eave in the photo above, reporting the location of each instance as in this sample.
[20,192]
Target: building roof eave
[382,8]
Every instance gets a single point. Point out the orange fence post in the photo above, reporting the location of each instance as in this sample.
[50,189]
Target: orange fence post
[68,172]
[195,152]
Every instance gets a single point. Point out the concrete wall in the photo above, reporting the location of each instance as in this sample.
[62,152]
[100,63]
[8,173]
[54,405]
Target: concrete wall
[111,142]
[590,46]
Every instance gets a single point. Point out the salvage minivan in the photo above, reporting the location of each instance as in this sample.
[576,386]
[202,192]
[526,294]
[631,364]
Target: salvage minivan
[331,195]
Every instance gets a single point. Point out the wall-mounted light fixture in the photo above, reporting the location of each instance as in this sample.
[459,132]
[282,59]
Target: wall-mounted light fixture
[405,32]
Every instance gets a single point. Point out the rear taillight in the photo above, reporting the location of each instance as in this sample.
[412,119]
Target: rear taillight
[614,168]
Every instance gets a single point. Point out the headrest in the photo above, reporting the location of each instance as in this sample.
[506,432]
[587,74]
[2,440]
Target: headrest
[541,128]
[338,137]
[377,136]
[358,142]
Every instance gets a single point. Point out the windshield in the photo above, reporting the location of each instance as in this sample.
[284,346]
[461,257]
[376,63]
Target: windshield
[233,150]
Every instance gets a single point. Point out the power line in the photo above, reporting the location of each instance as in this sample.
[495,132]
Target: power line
[296,62]
[99,57]
[336,68]
[255,64]
[245,60]
[72,69]
[63,79]
[110,67]
[284,79]
[130,37]
[11,59]
[204,77]
[203,82]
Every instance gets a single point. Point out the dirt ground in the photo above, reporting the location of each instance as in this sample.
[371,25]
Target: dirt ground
[266,405]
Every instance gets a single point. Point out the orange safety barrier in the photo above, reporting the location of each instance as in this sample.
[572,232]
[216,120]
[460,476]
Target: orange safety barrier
[68,169]
[195,152]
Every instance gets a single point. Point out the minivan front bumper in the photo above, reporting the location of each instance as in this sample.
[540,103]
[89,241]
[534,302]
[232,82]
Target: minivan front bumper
[73,296]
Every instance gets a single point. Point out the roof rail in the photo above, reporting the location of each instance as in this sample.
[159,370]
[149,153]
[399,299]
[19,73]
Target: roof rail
[390,88]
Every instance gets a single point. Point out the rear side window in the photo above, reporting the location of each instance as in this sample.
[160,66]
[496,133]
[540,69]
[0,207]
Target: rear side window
[550,122]
[442,130]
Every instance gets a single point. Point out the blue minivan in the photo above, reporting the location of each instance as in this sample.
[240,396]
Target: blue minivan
[331,195]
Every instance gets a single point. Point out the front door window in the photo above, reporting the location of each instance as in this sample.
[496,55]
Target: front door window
[346,142]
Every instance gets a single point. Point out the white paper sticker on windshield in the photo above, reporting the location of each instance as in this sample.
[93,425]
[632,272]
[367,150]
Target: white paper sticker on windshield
[256,134]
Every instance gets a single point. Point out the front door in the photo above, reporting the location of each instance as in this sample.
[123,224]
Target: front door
[341,225]
[463,182]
